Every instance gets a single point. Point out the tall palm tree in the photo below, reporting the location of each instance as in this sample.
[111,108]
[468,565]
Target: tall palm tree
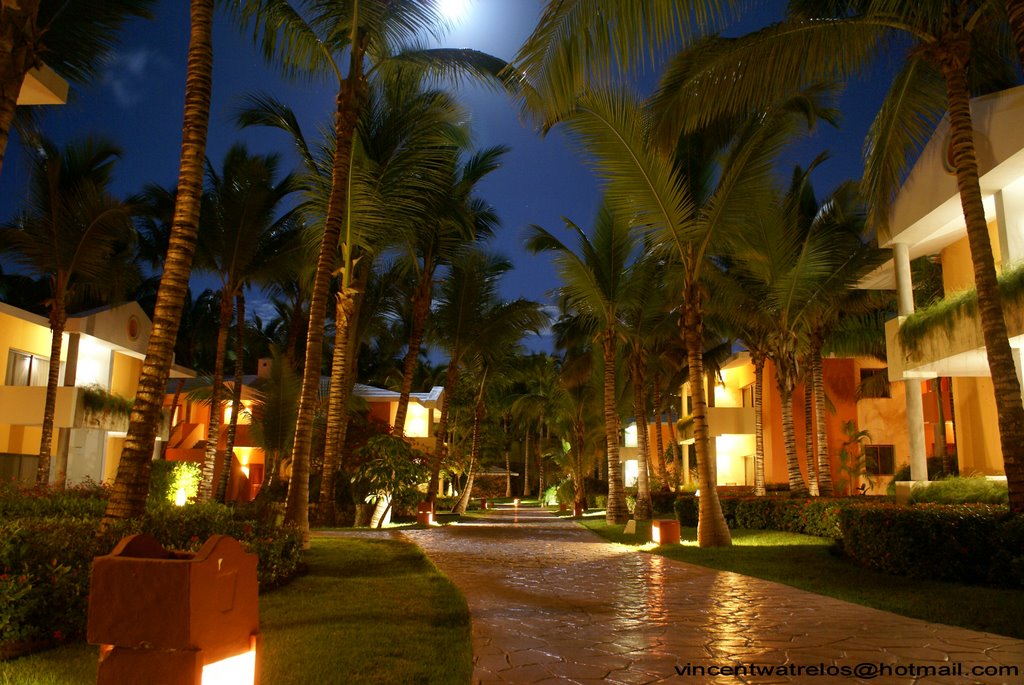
[456,219]
[946,50]
[597,285]
[74,38]
[80,238]
[244,239]
[469,318]
[316,38]
[128,495]
[684,213]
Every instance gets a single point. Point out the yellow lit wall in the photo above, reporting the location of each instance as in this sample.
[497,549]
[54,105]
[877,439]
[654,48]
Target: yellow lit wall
[23,336]
[417,421]
[978,449]
[124,375]
[732,451]
[977,438]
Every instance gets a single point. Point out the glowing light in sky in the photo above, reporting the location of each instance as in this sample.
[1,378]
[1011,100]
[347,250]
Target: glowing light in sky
[453,9]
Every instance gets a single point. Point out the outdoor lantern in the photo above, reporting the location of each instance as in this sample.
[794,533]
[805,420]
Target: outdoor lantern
[665,532]
[425,514]
[174,618]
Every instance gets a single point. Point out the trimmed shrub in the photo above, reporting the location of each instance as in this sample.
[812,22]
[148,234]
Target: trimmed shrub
[962,490]
[810,516]
[686,511]
[48,539]
[959,543]
[662,501]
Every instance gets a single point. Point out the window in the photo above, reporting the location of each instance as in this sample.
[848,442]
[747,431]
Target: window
[874,383]
[880,460]
[747,396]
[26,369]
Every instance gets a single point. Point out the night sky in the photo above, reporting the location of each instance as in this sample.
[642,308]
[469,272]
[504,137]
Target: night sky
[139,106]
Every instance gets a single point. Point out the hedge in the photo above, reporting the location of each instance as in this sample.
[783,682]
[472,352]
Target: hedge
[962,543]
[817,516]
[46,556]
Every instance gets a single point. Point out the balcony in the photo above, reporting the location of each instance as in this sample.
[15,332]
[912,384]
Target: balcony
[725,421]
[23,406]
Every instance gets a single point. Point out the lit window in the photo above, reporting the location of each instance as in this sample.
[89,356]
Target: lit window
[26,369]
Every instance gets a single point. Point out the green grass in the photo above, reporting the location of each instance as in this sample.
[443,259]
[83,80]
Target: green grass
[368,611]
[809,563]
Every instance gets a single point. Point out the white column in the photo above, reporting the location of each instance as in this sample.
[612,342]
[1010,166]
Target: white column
[912,386]
[1009,203]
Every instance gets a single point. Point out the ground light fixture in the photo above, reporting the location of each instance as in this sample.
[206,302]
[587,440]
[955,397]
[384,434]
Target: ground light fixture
[175,618]
[665,532]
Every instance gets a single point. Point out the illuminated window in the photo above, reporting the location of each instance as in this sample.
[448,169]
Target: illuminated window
[26,369]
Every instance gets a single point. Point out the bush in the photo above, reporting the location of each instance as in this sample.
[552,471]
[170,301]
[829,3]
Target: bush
[962,490]
[959,543]
[809,516]
[166,477]
[662,501]
[48,539]
[84,500]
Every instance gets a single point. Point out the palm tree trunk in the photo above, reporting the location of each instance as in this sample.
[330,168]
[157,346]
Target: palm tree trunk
[206,488]
[712,530]
[440,450]
[797,486]
[507,449]
[128,495]
[809,454]
[336,407]
[643,509]
[526,464]
[1009,406]
[658,439]
[236,398]
[349,101]
[759,480]
[58,318]
[421,300]
[18,36]
[474,454]
[617,511]
[818,389]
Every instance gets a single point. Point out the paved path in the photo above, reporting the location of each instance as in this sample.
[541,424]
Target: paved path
[552,602]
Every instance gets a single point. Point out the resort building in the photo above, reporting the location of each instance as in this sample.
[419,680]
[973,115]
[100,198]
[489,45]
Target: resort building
[882,415]
[927,219]
[101,358]
[190,419]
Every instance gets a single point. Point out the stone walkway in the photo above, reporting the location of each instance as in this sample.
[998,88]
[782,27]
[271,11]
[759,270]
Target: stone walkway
[552,602]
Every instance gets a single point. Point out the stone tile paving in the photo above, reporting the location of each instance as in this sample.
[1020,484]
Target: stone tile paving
[552,602]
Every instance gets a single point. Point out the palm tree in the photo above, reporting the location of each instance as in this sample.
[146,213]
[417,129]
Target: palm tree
[313,38]
[490,358]
[74,38]
[128,494]
[243,241]
[597,285]
[948,50]
[78,236]
[456,219]
[468,318]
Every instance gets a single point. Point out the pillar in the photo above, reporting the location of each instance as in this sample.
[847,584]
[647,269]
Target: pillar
[912,386]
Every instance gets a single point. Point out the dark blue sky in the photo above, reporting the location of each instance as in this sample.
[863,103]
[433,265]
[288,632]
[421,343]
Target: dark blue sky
[139,106]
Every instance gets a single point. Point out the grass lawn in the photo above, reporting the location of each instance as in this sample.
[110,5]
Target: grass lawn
[810,564]
[368,611]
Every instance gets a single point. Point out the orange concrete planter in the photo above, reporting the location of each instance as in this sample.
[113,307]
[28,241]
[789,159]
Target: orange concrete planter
[425,514]
[158,612]
[665,532]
